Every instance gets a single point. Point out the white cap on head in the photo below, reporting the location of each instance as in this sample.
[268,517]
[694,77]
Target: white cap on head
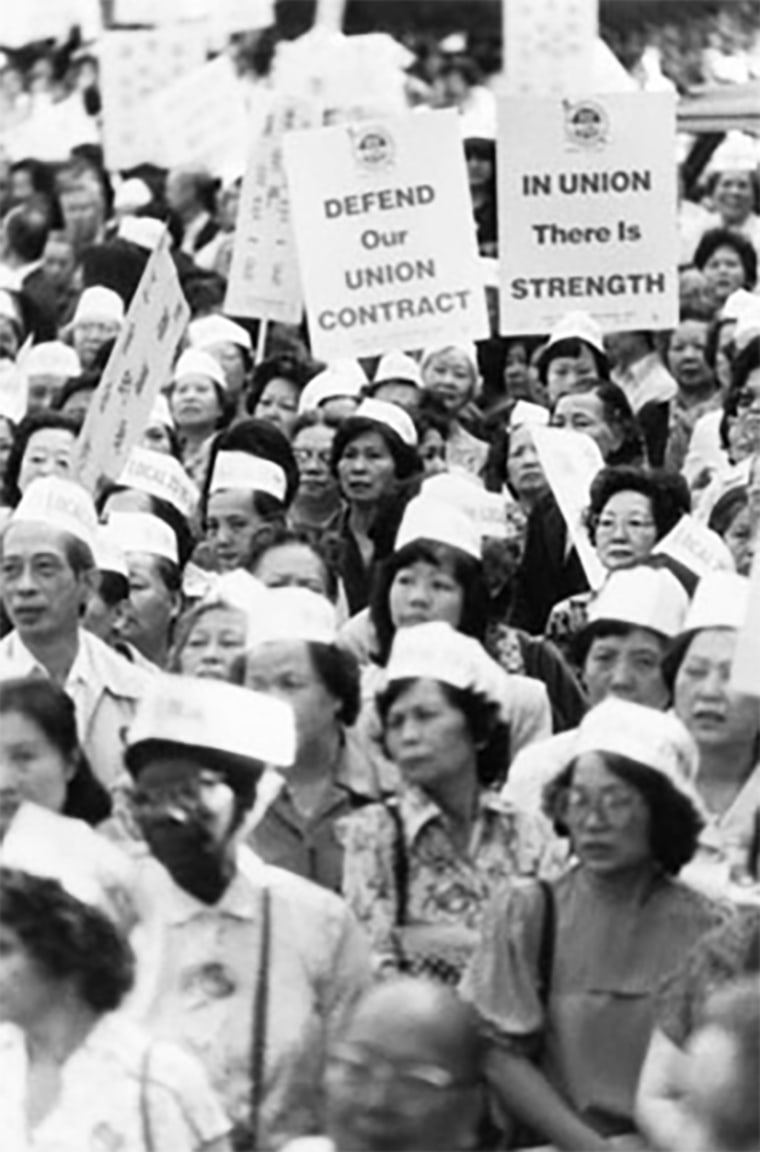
[239,589]
[341,378]
[398,366]
[738,303]
[214,715]
[436,651]
[86,865]
[52,358]
[721,600]
[294,614]
[747,325]
[642,597]
[144,231]
[696,547]
[217,329]
[61,504]
[251,473]
[658,740]
[463,491]
[737,152]
[141,532]
[160,475]
[429,518]
[99,303]
[526,413]
[109,554]
[132,194]
[465,348]
[391,416]
[578,325]
[194,362]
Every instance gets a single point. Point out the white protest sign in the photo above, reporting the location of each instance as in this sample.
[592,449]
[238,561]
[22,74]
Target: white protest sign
[385,234]
[136,370]
[696,547]
[134,65]
[587,204]
[570,461]
[263,281]
[745,671]
[548,45]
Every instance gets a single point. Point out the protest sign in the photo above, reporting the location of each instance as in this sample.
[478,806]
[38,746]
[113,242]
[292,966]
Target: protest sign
[548,45]
[745,671]
[385,235]
[134,65]
[263,280]
[570,461]
[696,547]
[161,475]
[587,204]
[137,368]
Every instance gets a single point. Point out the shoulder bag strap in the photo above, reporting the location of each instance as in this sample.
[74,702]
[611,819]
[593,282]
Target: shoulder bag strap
[400,863]
[260,1016]
[546,946]
[145,1123]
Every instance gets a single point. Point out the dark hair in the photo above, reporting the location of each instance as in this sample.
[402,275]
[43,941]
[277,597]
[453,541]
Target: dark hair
[489,733]
[87,382]
[67,938]
[34,422]
[52,710]
[432,414]
[113,587]
[261,439]
[26,231]
[571,346]
[599,630]
[713,341]
[338,670]
[238,771]
[716,238]
[468,572]
[674,823]
[618,414]
[161,508]
[667,492]
[283,367]
[727,508]
[273,536]
[405,457]
[746,362]
[307,420]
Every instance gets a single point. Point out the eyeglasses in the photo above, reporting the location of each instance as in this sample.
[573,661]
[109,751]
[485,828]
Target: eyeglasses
[358,1071]
[305,455]
[633,526]
[613,804]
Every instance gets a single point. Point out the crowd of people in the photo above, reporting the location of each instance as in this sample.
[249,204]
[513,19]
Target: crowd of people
[341,807]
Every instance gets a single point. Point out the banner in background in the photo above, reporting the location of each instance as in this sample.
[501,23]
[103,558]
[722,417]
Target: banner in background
[385,235]
[587,211]
[549,45]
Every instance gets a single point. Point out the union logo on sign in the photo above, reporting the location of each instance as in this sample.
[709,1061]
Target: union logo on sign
[374,148]
[586,124]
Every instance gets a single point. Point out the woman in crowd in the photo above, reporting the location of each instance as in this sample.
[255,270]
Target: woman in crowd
[199,406]
[733,189]
[418,871]
[317,504]
[602,411]
[731,520]
[572,356]
[292,655]
[231,347]
[725,726]
[450,373]
[212,634]
[42,446]
[373,455]
[629,511]
[41,761]
[252,479]
[76,1072]
[275,391]
[433,428]
[283,557]
[563,972]
[728,261]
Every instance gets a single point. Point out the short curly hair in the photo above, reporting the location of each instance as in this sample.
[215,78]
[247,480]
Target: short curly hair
[674,823]
[716,238]
[667,492]
[68,939]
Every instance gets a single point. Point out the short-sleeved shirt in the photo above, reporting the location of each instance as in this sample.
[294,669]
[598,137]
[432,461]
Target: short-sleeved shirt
[609,959]
[119,1093]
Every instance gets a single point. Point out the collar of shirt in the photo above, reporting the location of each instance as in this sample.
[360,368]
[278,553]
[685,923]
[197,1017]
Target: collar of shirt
[241,899]
[351,781]
[418,810]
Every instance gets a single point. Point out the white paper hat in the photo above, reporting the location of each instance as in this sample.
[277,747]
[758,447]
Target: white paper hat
[14,390]
[109,554]
[747,325]
[209,330]
[436,651]
[9,308]
[655,739]
[696,547]
[160,475]
[141,532]
[52,358]
[426,518]
[463,491]
[737,152]
[467,348]
[98,303]
[217,716]
[131,194]
[721,600]
[161,413]
[144,231]
[398,366]
[526,413]
[86,865]
[737,303]
[194,362]
[390,415]
[252,473]
[644,598]
[62,504]
[341,378]
[239,589]
[294,614]
[576,325]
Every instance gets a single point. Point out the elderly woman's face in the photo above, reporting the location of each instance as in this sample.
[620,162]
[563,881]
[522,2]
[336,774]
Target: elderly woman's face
[625,531]
[32,768]
[278,404]
[608,819]
[627,666]
[449,376]
[285,670]
[584,412]
[428,737]
[231,523]
[714,713]
[27,992]
[194,402]
[292,566]
[524,472]
[423,592]
[147,615]
[733,196]
[366,469]
[212,644]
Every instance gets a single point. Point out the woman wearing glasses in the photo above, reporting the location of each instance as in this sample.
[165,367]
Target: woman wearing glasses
[317,505]
[565,974]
